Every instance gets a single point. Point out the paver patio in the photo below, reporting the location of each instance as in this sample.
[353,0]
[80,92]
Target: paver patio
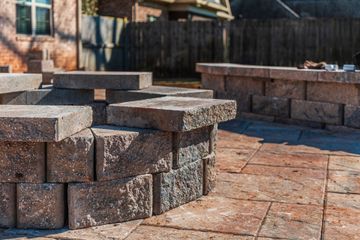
[274,182]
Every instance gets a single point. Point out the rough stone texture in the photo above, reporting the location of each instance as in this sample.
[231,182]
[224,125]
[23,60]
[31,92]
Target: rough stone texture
[19,82]
[119,96]
[40,206]
[22,162]
[99,112]
[178,187]
[15,98]
[243,86]
[209,173]
[39,66]
[174,114]
[285,89]
[293,74]
[339,77]
[273,106]
[51,96]
[317,112]
[333,93]
[352,116]
[7,205]
[6,69]
[98,203]
[42,123]
[72,159]
[213,82]
[213,138]
[124,152]
[191,146]
[103,80]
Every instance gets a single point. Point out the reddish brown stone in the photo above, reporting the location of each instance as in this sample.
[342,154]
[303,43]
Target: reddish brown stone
[22,162]
[293,222]
[333,93]
[7,205]
[345,163]
[99,203]
[285,89]
[344,181]
[233,160]
[72,159]
[215,214]
[40,206]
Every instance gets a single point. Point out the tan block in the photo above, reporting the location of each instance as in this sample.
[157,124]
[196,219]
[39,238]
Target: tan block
[333,93]
[7,205]
[273,106]
[285,88]
[245,85]
[40,206]
[293,74]
[209,173]
[213,82]
[317,112]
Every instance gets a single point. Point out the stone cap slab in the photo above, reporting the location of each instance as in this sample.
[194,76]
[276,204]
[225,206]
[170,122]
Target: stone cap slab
[18,82]
[174,114]
[29,123]
[117,96]
[287,73]
[103,80]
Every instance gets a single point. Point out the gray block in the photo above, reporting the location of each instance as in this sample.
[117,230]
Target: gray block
[191,146]
[52,96]
[99,203]
[15,98]
[7,205]
[42,123]
[175,114]
[99,112]
[273,106]
[178,187]
[118,96]
[124,152]
[22,162]
[72,159]
[103,80]
[352,116]
[40,206]
[19,82]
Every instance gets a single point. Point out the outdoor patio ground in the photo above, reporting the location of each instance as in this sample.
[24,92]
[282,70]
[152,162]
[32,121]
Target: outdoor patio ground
[274,182]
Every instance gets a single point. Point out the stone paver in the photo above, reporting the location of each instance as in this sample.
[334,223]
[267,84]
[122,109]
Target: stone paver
[274,182]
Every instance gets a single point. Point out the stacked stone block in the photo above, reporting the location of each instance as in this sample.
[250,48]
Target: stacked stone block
[308,97]
[60,167]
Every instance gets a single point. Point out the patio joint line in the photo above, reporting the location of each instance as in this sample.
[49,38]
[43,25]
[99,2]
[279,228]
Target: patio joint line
[279,166]
[133,230]
[325,200]
[250,158]
[263,220]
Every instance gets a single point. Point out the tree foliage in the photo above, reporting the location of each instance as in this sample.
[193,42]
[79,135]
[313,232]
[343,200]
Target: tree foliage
[90,7]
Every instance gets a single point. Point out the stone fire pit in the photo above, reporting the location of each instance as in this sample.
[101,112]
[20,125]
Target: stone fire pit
[67,160]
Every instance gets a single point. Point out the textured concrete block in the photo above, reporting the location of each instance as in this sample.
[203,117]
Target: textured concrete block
[209,173]
[51,96]
[40,206]
[19,82]
[333,93]
[22,162]
[293,74]
[245,86]
[273,106]
[286,89]
[15,98]
[248,70]
[178,187]
[191,146]
[119,96]
[317,112]
[174,114]
[6,69]
[72,159]
[7,205]
[103,80]
[352,116]
[214,82]
[42,123]
[243,100]
[124,152]
[98,203]
[99,112]
[39,66]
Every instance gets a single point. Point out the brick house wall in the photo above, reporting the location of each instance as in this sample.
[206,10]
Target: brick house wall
[62,46]
[131,10]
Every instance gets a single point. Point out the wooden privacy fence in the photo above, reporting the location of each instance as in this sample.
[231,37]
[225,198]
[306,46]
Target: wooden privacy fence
[171,49]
